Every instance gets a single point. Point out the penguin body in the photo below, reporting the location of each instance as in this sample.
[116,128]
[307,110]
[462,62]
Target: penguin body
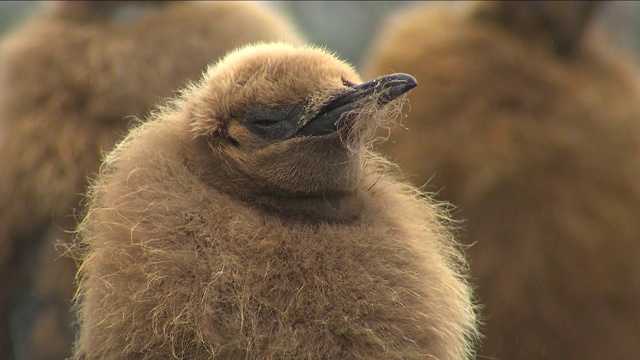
[247,219]
[529,126]
[71,79]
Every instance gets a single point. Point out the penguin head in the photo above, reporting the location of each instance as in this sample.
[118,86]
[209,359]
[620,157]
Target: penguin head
[563,25]
[291,120]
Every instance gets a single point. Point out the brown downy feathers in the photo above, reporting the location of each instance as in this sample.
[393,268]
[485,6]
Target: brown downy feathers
[249,220]
[71,79]
[531,127]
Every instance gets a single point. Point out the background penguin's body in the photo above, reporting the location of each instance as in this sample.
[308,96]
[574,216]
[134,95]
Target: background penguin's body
[532,130]
[70,80]
[241,223]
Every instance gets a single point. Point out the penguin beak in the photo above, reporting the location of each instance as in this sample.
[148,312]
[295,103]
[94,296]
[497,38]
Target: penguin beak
[384,89]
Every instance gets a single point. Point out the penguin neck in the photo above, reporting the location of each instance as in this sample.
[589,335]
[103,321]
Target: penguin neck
[320,205]
[316,207]
[342,207]
[332,206]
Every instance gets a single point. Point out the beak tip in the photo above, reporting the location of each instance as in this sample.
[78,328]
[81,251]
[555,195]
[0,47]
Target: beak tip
[410,80]
[396,85]
[407,82]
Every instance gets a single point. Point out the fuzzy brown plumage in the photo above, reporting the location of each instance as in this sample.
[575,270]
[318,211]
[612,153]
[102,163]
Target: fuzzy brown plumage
[204,240]
[70,78]
[531,127]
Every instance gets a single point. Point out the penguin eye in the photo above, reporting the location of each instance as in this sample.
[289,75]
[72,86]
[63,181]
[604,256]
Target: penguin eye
[277,123]
[265,122]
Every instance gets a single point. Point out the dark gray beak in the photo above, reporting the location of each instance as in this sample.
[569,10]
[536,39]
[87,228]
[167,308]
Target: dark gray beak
[385,89]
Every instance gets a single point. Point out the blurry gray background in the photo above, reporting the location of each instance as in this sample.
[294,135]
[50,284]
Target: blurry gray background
[348,27]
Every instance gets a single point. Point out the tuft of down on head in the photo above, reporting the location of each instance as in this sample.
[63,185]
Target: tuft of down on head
[537,147]
[71,78]
[249,219]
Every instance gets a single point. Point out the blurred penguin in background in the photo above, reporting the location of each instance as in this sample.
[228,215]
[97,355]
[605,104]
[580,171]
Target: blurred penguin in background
[70,78]
[249,219]
[529,123]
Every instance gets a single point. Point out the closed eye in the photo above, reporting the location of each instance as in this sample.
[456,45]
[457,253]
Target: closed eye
[276,123]
[265,122]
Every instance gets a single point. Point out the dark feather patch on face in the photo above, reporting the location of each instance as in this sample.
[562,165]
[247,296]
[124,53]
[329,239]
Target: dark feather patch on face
[279,123]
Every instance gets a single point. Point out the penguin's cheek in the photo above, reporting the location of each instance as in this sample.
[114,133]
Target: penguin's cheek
[244,138]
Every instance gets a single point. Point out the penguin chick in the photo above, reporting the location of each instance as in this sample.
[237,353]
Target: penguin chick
[69,79]
[249,220]
[530,125]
